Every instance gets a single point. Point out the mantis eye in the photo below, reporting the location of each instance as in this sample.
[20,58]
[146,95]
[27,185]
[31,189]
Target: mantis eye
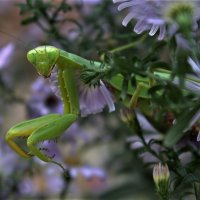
[43,59]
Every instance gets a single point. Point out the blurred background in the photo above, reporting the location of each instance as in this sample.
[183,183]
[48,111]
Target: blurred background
[96,149]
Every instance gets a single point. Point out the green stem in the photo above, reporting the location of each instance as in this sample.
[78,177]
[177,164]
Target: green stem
[125,47]
[188,77]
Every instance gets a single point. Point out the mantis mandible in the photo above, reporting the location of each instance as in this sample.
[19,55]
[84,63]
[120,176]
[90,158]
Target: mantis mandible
[51,126]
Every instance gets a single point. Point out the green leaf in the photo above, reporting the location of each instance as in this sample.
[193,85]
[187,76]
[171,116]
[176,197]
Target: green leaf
[65,7]
[29,20]
[177,131]
[23,8]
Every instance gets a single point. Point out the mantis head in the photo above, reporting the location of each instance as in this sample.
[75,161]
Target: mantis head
[43,59]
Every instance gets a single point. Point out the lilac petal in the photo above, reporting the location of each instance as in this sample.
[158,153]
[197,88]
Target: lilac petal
[193,86]
[92,1]
[144,123]
[118,1]
[194,65]
[155,21]
[5,53]
[126,5]
[140,26]
[94,98]
[87,172]
[128,18]
[182,42]
[153,30]
[107,97]
[162,32]
[198,137]
[194,119]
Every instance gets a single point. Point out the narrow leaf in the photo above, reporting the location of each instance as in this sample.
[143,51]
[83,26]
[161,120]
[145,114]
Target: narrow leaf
[177,131]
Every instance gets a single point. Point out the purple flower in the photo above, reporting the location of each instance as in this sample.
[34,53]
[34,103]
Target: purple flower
[193,82]
[91,1]
[9,161]
[195,66]
[49,182]
[154,15]
[43,101]
[5,53]
[93,99]
[87,172]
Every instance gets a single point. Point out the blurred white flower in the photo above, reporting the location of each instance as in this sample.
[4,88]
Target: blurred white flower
[153,14]
[5,54]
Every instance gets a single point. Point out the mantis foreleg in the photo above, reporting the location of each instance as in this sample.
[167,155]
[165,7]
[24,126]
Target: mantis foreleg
[136,95]
[25,129]
[47,132]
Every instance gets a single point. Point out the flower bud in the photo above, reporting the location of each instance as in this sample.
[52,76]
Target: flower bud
[161,178]
[182,13]
[126,115]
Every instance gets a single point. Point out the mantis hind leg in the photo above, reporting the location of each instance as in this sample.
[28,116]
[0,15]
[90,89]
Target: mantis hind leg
[25,129]
[47,132]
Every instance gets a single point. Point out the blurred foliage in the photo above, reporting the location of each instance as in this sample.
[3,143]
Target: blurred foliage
[98,35]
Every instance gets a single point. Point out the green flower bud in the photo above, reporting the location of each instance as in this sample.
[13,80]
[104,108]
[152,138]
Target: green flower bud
[161,178]
[182,13]
[126,115]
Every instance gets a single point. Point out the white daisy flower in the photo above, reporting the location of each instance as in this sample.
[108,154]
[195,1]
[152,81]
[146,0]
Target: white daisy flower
[153,15]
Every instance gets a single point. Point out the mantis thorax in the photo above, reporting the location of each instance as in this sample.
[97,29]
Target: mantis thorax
[44,59]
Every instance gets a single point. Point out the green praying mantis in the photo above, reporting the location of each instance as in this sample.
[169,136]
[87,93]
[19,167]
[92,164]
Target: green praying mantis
[51,126]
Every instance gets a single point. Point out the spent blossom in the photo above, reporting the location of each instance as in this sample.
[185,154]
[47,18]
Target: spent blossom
[155,15]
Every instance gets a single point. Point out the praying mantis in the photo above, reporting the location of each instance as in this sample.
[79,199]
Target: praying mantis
[51,126]
[44,59]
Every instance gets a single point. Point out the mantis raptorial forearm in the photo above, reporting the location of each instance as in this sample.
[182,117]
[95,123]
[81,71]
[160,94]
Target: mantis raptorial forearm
[69,66]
